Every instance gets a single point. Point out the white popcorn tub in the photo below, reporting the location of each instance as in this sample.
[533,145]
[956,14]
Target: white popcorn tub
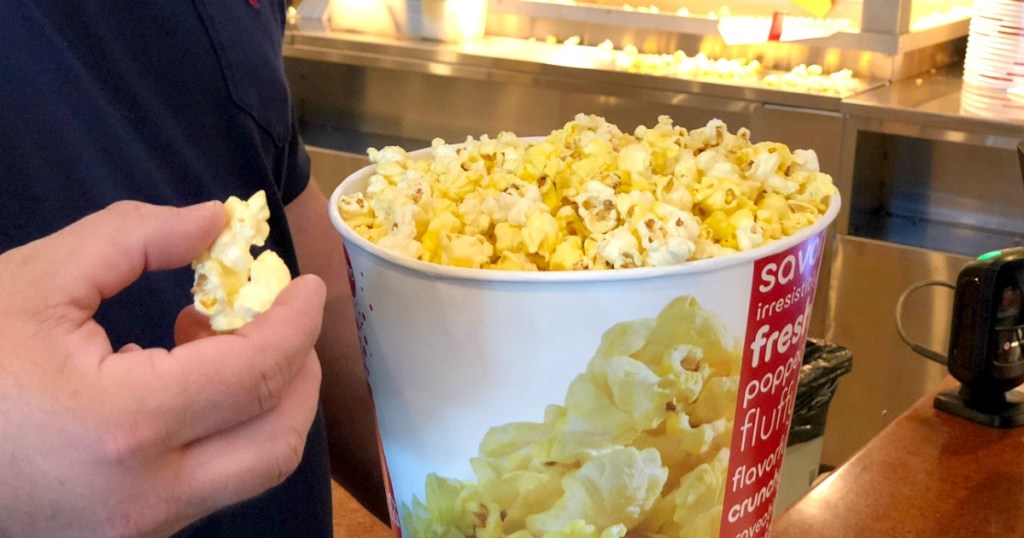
[452,353]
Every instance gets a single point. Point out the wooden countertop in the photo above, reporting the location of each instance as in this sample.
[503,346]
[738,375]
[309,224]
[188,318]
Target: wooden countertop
[927,474]
[352,520]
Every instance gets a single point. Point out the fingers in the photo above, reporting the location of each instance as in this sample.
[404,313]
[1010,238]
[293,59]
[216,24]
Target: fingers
[232,378]
[246,460]
[191,325]
[130,347]
[99,255]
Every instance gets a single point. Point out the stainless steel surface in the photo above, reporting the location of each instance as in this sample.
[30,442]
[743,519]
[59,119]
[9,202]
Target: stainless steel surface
[886,16]
[937,194]
[867,278]
[929,107]
[418,107]
[330,167]
[916,170]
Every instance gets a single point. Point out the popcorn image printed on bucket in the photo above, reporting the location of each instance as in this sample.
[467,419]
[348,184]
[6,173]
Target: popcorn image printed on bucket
[486,274]
[639,448]
[588,196]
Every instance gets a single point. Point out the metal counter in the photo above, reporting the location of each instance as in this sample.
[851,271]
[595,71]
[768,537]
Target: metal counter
[919,171]
[924,186]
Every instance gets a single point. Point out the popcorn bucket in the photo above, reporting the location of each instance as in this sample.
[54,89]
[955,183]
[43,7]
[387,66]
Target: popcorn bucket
[584,403]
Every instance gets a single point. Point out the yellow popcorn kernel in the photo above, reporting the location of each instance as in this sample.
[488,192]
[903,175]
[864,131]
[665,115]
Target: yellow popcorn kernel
[816,189]
[710,135]
[402,245]
[248,219]
[540,235]
[229,286]
[633,206]
[567,255]
[666,234]
[717,223]
[747,232]
[356,210]
[508,238]
[635,159]
[472,215]
[664,142]
[705,248]
[268,275]
[686,170]
[215,287]
[456,183]
[619,249]
[539,161]
[804,160]
[675,191]
[596,206]
[799,219]
[711,196]
[462,250]
[372,234]
[594,165]
[390,163]
[442,223]
[772,211]
[570,222]
[550,195]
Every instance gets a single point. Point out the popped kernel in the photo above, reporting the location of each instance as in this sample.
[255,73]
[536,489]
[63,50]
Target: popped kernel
[589,196]
[231,287]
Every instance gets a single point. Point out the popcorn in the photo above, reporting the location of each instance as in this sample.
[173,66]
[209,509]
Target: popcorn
[589,197]
[640,446]
[230,286]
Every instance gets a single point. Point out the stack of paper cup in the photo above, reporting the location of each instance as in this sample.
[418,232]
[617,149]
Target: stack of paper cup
[995,59]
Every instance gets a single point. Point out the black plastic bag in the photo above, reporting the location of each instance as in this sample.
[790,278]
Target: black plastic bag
[824,364]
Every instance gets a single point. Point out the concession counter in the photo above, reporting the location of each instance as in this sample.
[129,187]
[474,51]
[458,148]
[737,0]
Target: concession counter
[874,89]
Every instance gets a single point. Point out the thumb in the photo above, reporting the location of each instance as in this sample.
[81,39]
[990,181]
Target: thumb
[191,325]
[103,253]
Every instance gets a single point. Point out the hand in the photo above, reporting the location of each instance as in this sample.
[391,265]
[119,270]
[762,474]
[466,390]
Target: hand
[141,441]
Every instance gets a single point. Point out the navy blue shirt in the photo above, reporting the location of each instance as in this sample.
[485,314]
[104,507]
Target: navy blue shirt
[167,102]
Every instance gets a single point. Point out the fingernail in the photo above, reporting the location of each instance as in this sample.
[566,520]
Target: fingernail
[204,208]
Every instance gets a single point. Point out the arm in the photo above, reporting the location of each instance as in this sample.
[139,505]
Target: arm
[347,406]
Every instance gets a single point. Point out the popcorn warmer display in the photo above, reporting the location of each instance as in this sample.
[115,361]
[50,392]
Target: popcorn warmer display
[645,399]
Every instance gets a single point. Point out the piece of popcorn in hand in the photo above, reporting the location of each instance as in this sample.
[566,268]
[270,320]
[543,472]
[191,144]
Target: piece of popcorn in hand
[230,287]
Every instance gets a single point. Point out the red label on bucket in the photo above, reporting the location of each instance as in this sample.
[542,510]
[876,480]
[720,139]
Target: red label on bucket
[777,323]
